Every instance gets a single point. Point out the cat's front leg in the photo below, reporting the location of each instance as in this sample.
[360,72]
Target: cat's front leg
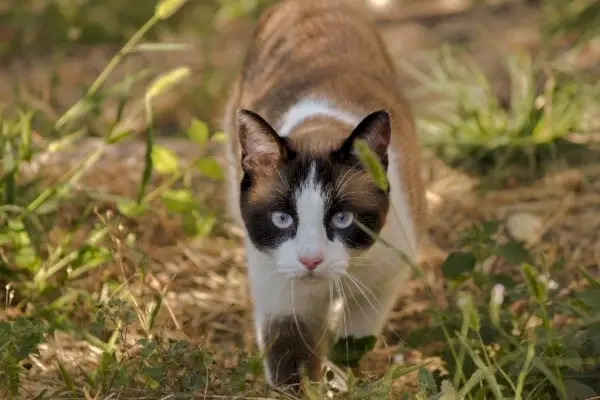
[290,328]
[365,313]
[291,349]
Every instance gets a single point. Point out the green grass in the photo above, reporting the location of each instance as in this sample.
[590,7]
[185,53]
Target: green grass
[469,126]
[522,129]
[511,335]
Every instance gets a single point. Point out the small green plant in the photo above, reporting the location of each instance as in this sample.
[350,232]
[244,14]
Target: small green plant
[44,275]
[502,336]
[508,331]
[469,126]
[18,339]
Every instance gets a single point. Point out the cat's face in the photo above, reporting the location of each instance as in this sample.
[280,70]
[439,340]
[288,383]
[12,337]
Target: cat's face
[304,210]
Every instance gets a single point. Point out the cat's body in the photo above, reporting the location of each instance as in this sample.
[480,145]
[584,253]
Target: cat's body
[314,78]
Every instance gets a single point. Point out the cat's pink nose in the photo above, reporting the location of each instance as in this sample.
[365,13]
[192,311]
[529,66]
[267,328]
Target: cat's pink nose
[311,262]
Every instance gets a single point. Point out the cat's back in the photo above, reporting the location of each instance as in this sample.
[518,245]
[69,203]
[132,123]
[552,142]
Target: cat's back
[317,49]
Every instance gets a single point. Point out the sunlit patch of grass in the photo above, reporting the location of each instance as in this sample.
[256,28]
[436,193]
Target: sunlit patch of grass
[520,335]
[469,126]
[509,336]
[43,275]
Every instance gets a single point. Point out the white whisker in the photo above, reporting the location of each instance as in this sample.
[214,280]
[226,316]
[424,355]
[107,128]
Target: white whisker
[344,309]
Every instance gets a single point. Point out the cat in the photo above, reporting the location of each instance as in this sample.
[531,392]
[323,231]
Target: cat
[317,77]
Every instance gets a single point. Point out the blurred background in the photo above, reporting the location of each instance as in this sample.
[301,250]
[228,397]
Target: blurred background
[111,219]
[58,47]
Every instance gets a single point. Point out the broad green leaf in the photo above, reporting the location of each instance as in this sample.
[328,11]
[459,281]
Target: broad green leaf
[210,168]
[219,137]
[195,224]
[178,201]
[426,380]
[590,296]
[350,350]
[578,391]
[165,161]
[503,279]
[457,264]
[15,225]
[27,258]
[154,372]
[488,228]
[198,132]
[513,252]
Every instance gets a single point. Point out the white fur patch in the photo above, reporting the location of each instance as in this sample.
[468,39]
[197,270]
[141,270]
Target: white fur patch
[399,229]
[311,238]
[310,107]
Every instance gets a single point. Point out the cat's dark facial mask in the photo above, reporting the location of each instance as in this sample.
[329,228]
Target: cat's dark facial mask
[302,208]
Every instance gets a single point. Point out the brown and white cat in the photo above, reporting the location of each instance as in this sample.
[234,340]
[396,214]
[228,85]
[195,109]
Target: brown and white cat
[316,78]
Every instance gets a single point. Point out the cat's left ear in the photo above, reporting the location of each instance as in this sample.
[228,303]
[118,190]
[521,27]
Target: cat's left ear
[262,148]
[375,129]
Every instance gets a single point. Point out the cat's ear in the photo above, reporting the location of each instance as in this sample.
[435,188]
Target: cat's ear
[375,130]
[262,148]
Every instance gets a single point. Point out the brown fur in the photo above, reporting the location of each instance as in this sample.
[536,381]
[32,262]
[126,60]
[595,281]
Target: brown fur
[303,47]
[292,347]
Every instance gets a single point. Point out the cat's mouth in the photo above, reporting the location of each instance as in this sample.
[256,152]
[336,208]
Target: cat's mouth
[314,277]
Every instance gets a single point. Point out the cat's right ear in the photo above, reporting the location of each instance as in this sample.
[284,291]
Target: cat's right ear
[262,149]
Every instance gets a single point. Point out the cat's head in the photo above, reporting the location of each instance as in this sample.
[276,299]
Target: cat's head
[301,207]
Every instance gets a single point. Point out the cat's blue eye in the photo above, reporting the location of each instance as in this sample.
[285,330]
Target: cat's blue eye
[343,219]
[281,219]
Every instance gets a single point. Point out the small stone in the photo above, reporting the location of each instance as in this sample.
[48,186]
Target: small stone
[399,358]
[525,227]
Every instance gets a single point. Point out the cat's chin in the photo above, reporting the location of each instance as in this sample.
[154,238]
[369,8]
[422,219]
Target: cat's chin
[317,278]
[313,278]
